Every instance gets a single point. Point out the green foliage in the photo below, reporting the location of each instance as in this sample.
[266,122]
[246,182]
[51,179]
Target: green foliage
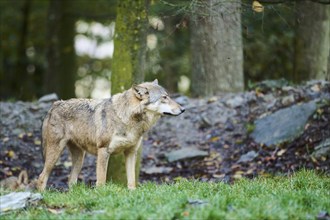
[250,127]
[301,196]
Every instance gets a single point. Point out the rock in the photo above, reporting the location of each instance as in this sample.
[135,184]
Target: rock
[17,200]
[48,98]
[283,125]
[323,149]
[272,84]
[185,153]
[197,202]
[182,100]
[288,100]
[323,215]
[235,102]
[157,170]
[205,122]
[249,156]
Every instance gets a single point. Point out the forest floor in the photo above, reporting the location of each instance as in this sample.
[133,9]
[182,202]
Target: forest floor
[215,131]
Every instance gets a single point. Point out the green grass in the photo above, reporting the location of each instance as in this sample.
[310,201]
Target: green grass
[301,196]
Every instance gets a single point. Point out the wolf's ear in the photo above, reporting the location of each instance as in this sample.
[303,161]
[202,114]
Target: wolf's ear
[140,92]
[155,81]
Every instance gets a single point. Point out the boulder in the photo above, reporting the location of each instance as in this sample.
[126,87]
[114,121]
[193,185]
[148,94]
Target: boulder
[283,125]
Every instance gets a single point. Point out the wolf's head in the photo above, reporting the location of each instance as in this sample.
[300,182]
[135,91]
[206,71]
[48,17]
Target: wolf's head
[155,99]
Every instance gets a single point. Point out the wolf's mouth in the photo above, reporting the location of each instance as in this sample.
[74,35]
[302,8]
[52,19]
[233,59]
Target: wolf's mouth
[167,113]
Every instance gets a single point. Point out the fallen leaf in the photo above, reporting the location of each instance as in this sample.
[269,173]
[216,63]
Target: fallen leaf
[320,111]
[11,154]
[235,166]
[67,164]
[239,172]
[281,152]
[237,176]
[219,176]
[226,146]
[250,171]
[185,213]
[55,211]
[214,139]
[314,160]
[37,142]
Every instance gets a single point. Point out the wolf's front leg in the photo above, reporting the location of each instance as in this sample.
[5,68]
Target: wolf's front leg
[130,162]
[102,165]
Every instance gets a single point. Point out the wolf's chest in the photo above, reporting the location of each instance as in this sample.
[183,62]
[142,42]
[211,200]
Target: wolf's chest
[123,141]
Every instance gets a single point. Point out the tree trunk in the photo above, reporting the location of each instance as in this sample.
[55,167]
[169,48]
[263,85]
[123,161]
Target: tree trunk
[128,65]
[22,80]
[312,41]
[216,47]
[61,65]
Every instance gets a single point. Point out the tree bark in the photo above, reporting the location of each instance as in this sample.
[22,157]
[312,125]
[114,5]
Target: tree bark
[312,41]
[128,65]
[216,47]
[61,65]
[130,45]
[22,82]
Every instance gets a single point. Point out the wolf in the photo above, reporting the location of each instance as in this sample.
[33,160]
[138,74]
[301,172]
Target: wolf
[103,128]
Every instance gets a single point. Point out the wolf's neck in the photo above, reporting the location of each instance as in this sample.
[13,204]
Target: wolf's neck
[125,106]
[130,112]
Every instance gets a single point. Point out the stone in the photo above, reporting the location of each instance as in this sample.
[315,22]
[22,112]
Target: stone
[283,125]
[249,156]
[17,200]
[48,98]
[185,153]
[322,149]
[235,102]
[288,100]
[182,100]
[157,170]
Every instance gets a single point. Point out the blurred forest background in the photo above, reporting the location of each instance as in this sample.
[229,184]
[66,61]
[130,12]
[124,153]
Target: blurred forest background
[79,48]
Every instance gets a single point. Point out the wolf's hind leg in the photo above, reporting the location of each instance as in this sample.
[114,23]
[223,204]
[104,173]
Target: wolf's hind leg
[52,152]
[77,156]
